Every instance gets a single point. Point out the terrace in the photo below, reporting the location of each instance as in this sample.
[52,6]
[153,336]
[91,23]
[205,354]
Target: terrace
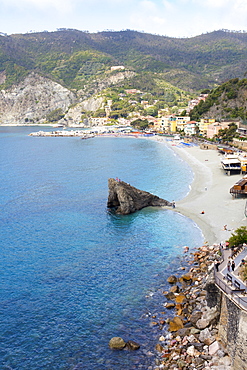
[230,282]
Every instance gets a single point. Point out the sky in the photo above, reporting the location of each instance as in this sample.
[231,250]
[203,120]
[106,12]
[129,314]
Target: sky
[173,18]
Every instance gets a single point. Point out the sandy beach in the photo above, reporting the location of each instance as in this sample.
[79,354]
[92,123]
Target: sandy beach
[210,193]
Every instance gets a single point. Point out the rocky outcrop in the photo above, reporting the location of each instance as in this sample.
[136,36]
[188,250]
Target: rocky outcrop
[125,199]
[99,84]
[119,343]
[32,100]
[74,113]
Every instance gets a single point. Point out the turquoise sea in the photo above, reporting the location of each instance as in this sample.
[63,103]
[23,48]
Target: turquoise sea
[73,275]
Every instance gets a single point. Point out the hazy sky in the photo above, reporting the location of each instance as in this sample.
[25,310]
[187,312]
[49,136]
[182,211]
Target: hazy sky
[178,18]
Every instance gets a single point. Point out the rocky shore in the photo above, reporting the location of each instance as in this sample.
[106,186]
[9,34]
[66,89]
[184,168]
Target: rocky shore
[190,339]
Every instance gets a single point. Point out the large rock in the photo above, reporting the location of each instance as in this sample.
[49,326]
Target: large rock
[175,324]
[206,337]
[133,346]
[32,99]
[125,199]
[117,343]
[172,279]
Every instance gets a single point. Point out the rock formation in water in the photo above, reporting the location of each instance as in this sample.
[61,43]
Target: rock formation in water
[125,199]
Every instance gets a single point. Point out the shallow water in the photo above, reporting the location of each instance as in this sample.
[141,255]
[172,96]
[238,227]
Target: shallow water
[73,274]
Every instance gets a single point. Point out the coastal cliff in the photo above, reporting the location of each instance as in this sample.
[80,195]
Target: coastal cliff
[38,100]
[33,99]
[125,199]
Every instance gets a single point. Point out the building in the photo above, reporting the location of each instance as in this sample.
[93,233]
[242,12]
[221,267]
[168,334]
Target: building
[98,121]
[203,125]
[191,128]
[115,68]
[192,103]
[214,128]
[181,122]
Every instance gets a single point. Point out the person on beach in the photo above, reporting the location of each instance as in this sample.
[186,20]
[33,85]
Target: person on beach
[173,204]
[233,265]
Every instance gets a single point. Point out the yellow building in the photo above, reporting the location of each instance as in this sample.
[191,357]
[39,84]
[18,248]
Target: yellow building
[203,125]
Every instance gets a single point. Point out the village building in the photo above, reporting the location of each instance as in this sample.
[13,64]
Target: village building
[214,128]
[192,103]
[98,121]
[115,68]
[191,128]
[203,125]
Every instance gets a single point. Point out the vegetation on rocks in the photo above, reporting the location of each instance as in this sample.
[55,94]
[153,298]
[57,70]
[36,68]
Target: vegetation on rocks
[239,237]
[226,101]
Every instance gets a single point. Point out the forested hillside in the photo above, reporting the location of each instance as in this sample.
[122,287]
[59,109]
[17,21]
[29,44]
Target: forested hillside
[74,58]
[228,100]
[73,74]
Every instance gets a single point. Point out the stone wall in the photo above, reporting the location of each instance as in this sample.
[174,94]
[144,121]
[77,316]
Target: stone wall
[233,330]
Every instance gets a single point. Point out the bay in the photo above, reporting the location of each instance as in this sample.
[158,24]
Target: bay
[73,275]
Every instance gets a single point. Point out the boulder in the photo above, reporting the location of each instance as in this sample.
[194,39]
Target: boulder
[170,295]
[206,337]
[213,348]
[170,305]
[187,278]
[184,332]
[175,324]
[191,351]
[174,289]
[133,346]
[172,279]
[180,298]
[126,199]
[117,343]
[202,324]
[159,347]
[195,316]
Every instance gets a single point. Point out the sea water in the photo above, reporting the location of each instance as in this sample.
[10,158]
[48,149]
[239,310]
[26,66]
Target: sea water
[74,275]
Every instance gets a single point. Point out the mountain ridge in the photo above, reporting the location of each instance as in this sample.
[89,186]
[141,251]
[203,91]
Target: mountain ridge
[168,71]
[205,57]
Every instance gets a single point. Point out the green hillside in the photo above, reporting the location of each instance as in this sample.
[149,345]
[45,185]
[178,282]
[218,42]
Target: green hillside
[73,58]
[228,100]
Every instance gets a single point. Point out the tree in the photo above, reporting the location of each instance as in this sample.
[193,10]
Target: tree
[228,134]
[239,236]
[142,124]
[55,115]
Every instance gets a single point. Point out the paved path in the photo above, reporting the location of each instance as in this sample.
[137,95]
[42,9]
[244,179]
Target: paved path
[227,280]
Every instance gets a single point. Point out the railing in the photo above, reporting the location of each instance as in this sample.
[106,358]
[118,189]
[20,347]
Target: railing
[237,251]
[242,302]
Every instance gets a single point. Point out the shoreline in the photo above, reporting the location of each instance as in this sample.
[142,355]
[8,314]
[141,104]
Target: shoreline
[210,193]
